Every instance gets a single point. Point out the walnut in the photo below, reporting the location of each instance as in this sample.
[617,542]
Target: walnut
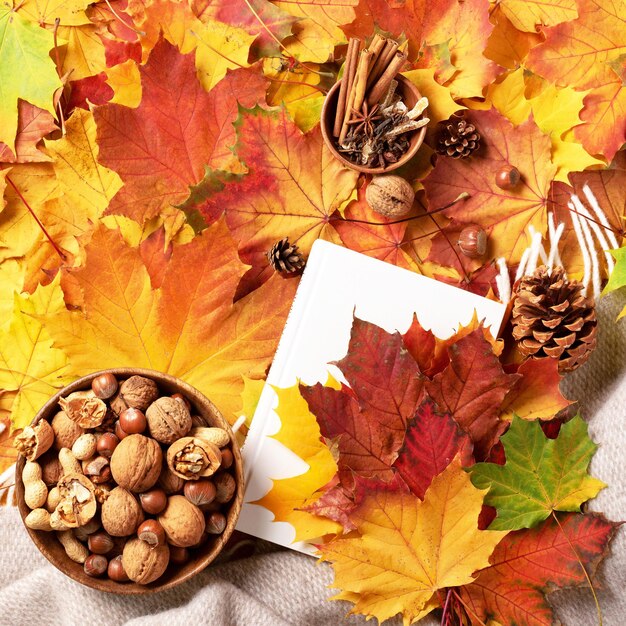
[121,513]
[66,432]
[84,408]
[35,440]
[183,522]
[168,420]
[192,458]
[169,482]
[137,392]
[78,501]
[391,196]
[142,563]
[136,463]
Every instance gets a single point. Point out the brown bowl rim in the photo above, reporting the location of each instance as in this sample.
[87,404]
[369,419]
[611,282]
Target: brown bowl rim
[328,139]
[204,407]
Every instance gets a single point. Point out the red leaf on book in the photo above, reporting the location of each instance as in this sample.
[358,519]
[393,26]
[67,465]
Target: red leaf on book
[472,388]
[527,564]
[432,440]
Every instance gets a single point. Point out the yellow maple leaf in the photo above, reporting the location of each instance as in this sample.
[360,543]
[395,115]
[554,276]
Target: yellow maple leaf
[309,42]
[405,550]
[440,103]
[125,81]
[28,362]
[11,280]
[69,12]
[526,15]
[300,433]
[82,180]
[220,47]
[81,51]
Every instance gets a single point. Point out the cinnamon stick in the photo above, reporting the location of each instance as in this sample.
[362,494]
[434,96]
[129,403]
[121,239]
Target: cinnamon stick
[379,88]
[357,93]
[376,46]
[349,71]
[381,63]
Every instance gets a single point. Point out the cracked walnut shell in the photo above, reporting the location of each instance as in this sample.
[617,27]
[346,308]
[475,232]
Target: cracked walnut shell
[78,501]
[35,440]
[168,419]
[182,521]
[136,463]
[192,458]
[84,408]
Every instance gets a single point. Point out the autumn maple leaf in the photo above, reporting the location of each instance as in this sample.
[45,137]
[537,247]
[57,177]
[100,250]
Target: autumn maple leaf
[540,475]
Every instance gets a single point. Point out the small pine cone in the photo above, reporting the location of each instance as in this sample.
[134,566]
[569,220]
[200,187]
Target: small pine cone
[285,258]
[457,139]
[551,317]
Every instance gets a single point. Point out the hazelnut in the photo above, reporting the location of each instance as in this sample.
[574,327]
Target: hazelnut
[192,458]
[200,492]
[215,523]
[116,571]
[390,196]
[179,555]
[168,419]
[169,481]
[151,532]
[35,440]
[142,563]
[132,421]
[139,392]
[198,421]
[182,521]
[66,432]
[95,565]
[100,543]
[98,470]
[225,486]
[507,177]
[77,505]
[183,399]
[227,458]
[104,386]
[120,433]
[121,513]
[473,241]
[136,463]
[84,408]
[106,444]
[154,501]
[82,533]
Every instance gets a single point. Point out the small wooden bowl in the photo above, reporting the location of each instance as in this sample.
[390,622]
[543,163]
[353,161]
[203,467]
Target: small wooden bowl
[409,94]
[49,545]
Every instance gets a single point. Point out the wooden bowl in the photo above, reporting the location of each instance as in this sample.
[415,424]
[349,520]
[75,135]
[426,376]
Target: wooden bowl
[409,94]
[49,545]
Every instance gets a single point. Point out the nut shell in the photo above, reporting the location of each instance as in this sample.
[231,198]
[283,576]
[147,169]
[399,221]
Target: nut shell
[192,458]
[77,505]
[182,521]
[84,408]
[121,513]
[390,196]
[142,563]
[168,419]
[136,463]
[35,440]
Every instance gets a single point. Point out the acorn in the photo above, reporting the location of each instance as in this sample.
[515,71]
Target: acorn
[473,241]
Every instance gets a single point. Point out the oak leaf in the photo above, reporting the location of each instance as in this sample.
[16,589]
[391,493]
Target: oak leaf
[26,46]
[471,389]
[405,550]
[504,214]
[161,147]
[528,564]
[33,124]
[289,496]
[431,442]
[540,475]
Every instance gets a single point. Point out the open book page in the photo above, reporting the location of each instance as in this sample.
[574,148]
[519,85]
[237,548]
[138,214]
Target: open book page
[338,284]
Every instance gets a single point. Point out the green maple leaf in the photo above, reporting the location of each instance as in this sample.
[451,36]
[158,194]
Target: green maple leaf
[26,69]
[541,475]
[617,279]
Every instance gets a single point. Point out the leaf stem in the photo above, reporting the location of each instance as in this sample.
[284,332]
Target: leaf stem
[458,599]
[43,228]
[444,615]
[141,33]
[57,22]
[584,569]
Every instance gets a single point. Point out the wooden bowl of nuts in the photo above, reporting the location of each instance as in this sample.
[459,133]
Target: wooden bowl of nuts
[129,481]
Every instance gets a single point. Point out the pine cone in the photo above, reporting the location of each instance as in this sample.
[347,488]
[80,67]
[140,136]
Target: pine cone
[551,317]
[457,139]
[284,257]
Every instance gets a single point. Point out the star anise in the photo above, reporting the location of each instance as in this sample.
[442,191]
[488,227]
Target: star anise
[364,120]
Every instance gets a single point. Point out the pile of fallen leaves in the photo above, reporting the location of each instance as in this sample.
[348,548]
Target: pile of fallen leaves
[421,503]
[152,152]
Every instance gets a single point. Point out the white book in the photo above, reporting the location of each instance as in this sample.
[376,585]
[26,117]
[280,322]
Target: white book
[338,284]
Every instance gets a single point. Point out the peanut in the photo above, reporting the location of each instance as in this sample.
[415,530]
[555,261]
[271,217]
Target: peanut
[217,436]
[74,549]
[35,490]
[38,519]
[69,463]
[54,497]
[84,447]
